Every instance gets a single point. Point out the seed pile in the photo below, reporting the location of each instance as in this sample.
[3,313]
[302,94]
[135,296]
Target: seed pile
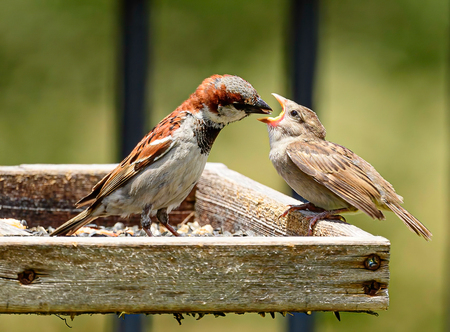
[188,229]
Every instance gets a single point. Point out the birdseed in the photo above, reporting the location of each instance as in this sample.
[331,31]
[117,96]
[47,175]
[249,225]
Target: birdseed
[190,229]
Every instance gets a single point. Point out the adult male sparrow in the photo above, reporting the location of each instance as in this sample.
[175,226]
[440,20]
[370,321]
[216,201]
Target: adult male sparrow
[331,177]
[167,163]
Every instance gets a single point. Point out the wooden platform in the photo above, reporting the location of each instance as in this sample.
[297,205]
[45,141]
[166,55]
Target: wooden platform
[341,268]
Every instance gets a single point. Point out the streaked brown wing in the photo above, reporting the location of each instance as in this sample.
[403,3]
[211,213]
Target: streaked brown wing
[340,170]
[90,198]
[152,147]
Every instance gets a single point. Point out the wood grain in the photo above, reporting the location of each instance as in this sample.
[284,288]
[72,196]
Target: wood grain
[45,195]
[173,275]
[163,275]
[227,199]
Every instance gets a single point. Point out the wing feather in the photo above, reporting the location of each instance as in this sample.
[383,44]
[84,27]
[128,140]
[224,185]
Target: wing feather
[340,170]
[151,148]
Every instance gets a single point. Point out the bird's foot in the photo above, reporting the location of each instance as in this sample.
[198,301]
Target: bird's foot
[306,206]
[148,231]
[146,221]
[330,215]
[164,219]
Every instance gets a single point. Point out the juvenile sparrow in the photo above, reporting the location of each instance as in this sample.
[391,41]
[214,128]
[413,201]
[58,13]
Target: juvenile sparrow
[164,167]
[331,177]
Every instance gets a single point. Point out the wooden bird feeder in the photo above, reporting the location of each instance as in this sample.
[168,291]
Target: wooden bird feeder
[340,268]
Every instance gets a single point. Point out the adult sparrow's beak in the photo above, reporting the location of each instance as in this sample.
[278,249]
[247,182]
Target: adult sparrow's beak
[274,121]
[259,107]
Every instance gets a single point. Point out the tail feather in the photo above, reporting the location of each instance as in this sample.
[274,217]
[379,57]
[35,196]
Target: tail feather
[72,225]
[410,221]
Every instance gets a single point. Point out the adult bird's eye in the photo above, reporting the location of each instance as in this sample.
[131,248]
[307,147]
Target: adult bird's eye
[294,113]
[240,106]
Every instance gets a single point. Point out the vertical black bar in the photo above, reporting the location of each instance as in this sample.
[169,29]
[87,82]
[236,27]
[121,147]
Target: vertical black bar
[134,54]
[133,71]
[302,52]
[131,323]
[300,322]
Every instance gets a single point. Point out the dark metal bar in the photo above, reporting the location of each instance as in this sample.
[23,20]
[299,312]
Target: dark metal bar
[134,54]
[301,65]
[302,50]
[131,323]
[300,322]
[132,86]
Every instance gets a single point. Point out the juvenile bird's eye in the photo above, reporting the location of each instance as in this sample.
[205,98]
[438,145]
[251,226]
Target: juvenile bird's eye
[294,113]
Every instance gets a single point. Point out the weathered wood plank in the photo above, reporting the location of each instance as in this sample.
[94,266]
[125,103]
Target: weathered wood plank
[163,275]
[227,199]
[100,275]
[44,195]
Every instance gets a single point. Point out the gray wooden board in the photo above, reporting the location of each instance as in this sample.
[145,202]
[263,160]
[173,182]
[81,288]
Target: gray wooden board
[224,198]
[45,194]
[164,275]
[156,275]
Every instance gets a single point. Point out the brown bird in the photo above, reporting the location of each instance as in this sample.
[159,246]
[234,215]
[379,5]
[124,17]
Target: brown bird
[164,167]
[331,177]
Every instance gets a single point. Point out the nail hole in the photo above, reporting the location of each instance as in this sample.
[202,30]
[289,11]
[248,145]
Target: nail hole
[372,287]
[26,277]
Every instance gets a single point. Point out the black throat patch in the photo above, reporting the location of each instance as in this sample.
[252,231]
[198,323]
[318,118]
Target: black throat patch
[206,135]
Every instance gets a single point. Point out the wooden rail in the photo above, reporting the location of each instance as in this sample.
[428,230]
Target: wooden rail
[341,268]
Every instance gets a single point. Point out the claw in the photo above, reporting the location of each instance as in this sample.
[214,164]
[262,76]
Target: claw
[162,216]
[146,222]
[302,207]
[325,214]
[285,213]
[322,214]
[312,222]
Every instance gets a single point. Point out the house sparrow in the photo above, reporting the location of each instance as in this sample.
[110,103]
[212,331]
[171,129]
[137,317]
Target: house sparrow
[167,163]
[331,177]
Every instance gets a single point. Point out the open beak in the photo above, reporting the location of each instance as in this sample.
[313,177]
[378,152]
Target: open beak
[259,107]
[274,121]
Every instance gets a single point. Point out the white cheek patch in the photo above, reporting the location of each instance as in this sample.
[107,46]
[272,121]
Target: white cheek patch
[228,114]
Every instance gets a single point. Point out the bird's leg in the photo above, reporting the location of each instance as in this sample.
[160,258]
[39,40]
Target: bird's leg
[146,222]
[164,219]
[330,215]
[306,206]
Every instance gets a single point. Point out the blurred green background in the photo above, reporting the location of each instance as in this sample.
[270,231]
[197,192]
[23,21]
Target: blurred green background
[381,91]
